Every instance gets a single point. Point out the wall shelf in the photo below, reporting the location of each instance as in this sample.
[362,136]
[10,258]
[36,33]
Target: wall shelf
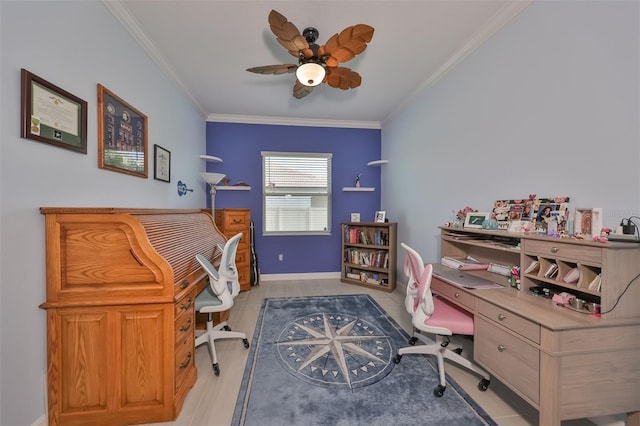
[361,189]
[377,162]
[211,158]
[232,188]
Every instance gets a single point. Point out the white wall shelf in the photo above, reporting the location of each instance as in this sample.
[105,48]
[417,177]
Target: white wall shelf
[361,189]
[211,158]
[377,162]
[232,188]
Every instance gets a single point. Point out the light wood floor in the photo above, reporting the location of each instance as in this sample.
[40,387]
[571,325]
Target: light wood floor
[212,399]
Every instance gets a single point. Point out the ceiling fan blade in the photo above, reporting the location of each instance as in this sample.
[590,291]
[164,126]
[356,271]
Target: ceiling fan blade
[344,46]
[300,90]
[274,69]
[343,78]
[287,33]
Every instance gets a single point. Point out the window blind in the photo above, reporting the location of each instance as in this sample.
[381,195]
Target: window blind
[297,192]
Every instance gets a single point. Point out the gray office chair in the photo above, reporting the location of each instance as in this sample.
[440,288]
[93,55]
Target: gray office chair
[218,297]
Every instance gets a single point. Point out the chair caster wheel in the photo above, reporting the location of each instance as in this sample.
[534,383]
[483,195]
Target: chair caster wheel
[227,328]
[413,341]
[484,384]
[216,369]
[439,390]
[458,350]
[397,358]
[245,342]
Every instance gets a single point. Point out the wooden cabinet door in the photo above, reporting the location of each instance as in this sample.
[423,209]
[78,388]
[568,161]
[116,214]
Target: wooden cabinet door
[114,363]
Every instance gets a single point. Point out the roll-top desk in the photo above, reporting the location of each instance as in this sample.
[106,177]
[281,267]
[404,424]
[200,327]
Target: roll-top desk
[566,364]
[121,285]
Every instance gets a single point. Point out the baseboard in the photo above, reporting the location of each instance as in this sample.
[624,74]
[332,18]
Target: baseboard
[41,421]
[309,276]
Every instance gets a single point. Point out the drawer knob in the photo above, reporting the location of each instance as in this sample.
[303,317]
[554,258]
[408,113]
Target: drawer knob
[501,317]
[184,284]
[457,295]
[555,249]
[186,362]
[502,348]
[186,327]
[186,306]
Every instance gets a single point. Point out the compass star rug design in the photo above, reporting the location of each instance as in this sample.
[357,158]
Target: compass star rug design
[327,360]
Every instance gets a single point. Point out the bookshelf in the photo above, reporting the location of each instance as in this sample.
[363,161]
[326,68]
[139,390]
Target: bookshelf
[369,254]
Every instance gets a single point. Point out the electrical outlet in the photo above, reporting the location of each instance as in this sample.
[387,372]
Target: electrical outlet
[280,257]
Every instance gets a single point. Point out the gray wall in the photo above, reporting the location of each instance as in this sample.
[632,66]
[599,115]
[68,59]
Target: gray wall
[74,45]
[548,106]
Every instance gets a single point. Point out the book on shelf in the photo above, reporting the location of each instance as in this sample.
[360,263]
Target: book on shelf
[499,269]
[551,271]
[466,264]
[596,284]
[532,268]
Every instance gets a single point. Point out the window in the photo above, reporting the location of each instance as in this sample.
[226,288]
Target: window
[297,193]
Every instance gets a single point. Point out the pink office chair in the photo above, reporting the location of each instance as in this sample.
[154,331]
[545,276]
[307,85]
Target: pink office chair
[435,315]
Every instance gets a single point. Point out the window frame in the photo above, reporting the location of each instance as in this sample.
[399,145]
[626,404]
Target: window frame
[265,192]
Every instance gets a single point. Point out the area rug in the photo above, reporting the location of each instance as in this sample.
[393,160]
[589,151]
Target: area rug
[327,360]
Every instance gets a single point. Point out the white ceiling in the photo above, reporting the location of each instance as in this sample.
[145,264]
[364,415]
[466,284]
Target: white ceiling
[207,45]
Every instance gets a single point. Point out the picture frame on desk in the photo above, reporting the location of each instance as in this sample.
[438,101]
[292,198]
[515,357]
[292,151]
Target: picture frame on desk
[475,219]
[380,216]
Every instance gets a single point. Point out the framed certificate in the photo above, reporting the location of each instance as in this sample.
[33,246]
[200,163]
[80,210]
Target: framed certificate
[162,164]
[52,115]
[122,135]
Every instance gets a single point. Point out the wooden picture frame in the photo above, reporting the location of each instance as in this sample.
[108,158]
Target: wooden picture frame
[52,115]
[162,164]
[588,221]
[380,216]
[122,135]
[475,219]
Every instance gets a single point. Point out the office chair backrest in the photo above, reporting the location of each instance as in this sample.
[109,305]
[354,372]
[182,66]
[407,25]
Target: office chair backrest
[419,300]
[224,281]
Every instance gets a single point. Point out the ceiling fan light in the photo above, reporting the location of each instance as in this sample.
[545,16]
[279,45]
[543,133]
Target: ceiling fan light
[310,74]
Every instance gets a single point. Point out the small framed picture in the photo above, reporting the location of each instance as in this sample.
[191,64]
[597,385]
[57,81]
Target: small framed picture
[162,165]
[380,216]
[475,219]
[355,217]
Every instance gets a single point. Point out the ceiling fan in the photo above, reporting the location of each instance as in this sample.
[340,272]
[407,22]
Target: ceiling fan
[317,64]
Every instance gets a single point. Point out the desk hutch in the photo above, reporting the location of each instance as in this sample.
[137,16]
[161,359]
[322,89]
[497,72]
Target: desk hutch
[566,364]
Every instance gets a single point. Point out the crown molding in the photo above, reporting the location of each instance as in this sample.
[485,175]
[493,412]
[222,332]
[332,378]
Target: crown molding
[122,14]
[497,21]
[288,121]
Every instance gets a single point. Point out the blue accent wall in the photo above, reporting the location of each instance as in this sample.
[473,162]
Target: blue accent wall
[240,147]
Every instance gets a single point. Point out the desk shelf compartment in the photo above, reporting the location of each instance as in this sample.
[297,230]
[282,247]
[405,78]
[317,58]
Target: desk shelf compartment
[568,276]
[369,254]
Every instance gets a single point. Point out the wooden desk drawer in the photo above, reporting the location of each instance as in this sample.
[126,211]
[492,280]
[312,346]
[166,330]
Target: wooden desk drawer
[572,252]
[184,323]
[185,358]
[184,305]
[512,321]
[242,258]
[454,294]
[511,359]
[233,219]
